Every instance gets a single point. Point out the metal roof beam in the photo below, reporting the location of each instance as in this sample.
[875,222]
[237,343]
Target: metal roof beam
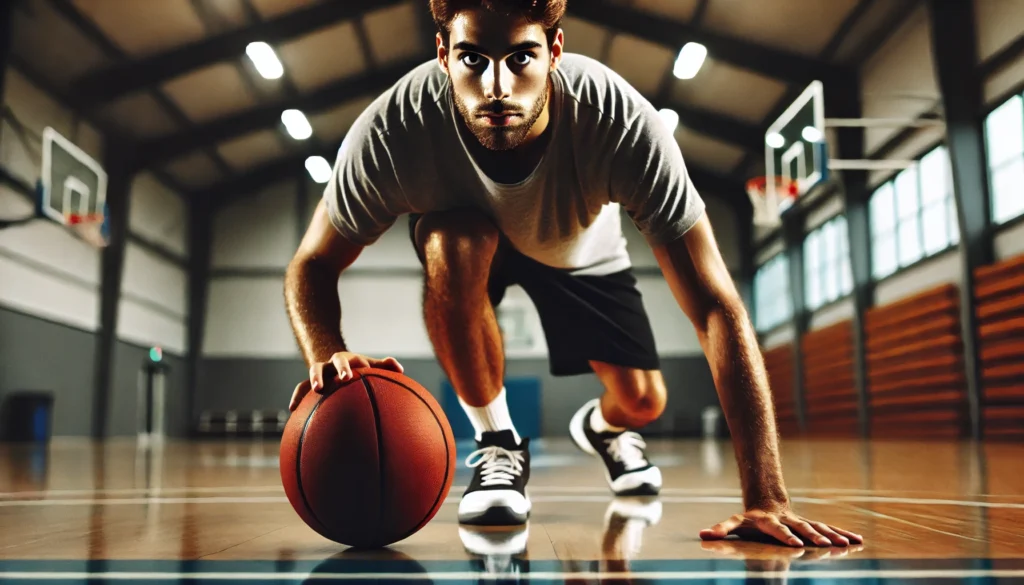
[372,83]
[768,61]
[130,76]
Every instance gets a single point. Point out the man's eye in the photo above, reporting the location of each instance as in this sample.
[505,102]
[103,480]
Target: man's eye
[522,59]
[470,59]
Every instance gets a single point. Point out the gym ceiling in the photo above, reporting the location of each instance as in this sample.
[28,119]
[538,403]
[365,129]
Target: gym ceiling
[170,80]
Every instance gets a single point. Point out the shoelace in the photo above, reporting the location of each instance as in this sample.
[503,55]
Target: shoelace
[500,466]
[627,448]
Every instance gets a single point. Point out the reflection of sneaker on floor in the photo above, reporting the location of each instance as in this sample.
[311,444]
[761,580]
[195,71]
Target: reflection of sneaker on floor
[627,469]
[624,523]
[498,548]
[496,496]
[494,541]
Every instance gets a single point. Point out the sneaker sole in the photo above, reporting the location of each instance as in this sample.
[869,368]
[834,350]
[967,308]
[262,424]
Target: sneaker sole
[579,437]
[495,516]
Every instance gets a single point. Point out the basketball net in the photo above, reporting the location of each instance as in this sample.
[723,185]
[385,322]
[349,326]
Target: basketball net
[770,203]
[89,227]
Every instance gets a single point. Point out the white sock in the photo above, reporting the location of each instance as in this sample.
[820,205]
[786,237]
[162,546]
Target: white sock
[599,425]
[492,417]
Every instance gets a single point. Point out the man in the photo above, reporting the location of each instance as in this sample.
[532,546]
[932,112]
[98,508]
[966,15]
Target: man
[513,159]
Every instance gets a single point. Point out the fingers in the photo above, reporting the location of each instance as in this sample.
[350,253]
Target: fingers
[722,529]
[807,530]
[339,368]
[852,536]
[316,377]
[343,366]
[772,527]
[388,363]
[301,389]
[835,539]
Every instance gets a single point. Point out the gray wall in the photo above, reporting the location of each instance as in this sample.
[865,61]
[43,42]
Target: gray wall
[128,360]
[44,355]
[50,280]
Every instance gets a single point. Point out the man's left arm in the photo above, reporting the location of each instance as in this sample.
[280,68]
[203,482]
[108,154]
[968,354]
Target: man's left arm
[703,287]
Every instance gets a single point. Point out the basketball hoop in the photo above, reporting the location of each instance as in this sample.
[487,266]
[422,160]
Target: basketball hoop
[89,227]
[770,203]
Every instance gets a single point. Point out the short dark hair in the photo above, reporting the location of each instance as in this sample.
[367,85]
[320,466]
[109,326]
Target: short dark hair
[547,13]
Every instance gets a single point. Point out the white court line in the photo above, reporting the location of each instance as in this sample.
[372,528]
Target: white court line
[457,488]
[453,498]
[914,524]
[927,501]
[531,576]
[141,501]
[139,491]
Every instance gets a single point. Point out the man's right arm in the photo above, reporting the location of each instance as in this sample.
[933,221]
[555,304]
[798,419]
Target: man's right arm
[311,299]
[311,288]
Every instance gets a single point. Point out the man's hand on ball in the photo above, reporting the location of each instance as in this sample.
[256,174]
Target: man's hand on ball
[336,370]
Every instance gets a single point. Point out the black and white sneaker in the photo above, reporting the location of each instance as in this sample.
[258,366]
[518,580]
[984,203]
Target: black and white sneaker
[627,469]
[496,496]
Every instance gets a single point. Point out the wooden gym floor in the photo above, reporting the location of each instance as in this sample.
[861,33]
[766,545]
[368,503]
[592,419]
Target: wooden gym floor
[215,513]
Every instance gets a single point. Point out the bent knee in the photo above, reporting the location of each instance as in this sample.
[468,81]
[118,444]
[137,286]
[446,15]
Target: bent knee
[645,404]
[457,233]
[641,394]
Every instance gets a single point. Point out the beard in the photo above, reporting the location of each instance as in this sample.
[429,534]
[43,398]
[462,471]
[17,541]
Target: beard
[501,137]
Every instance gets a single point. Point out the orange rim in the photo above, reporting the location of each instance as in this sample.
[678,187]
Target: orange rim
[760,184]
[75,218]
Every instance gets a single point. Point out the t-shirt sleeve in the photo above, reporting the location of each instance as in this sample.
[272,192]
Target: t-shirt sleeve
[649,179]
[364,195]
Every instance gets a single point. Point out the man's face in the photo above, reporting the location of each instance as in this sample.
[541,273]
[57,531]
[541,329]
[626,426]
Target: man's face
[498,69]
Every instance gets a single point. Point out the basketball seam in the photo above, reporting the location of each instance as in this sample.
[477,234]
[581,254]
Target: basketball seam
[298,465]
[380,450]
[447,454]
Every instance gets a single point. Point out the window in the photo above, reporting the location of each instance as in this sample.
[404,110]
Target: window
[828,275]
[914,215]
[772,303]
[1004,139]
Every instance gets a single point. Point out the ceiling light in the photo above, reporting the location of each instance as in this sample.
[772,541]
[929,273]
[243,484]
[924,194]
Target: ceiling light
[689,61]
[319,169]
[811,134]
[296,124]
[265,60]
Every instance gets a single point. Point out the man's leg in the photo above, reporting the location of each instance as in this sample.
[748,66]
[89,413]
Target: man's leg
[459,250]
[605,426]
[597,323]
[633,398]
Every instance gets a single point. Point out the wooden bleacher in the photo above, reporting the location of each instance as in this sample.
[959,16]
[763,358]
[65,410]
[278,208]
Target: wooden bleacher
[830,394]
[999,297]
[779,364]
[916,386]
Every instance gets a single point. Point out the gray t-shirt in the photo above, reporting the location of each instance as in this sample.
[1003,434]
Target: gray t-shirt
[608,148]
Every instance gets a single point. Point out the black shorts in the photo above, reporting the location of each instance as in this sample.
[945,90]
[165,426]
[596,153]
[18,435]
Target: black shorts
[584,317]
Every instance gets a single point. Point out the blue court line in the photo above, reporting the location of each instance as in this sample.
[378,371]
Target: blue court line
[730,578]
[409,566]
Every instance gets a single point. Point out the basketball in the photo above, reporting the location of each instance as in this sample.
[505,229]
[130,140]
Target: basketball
[370,462]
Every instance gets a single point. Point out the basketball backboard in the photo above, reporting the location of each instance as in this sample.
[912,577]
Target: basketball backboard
[73,188]
[796,145]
